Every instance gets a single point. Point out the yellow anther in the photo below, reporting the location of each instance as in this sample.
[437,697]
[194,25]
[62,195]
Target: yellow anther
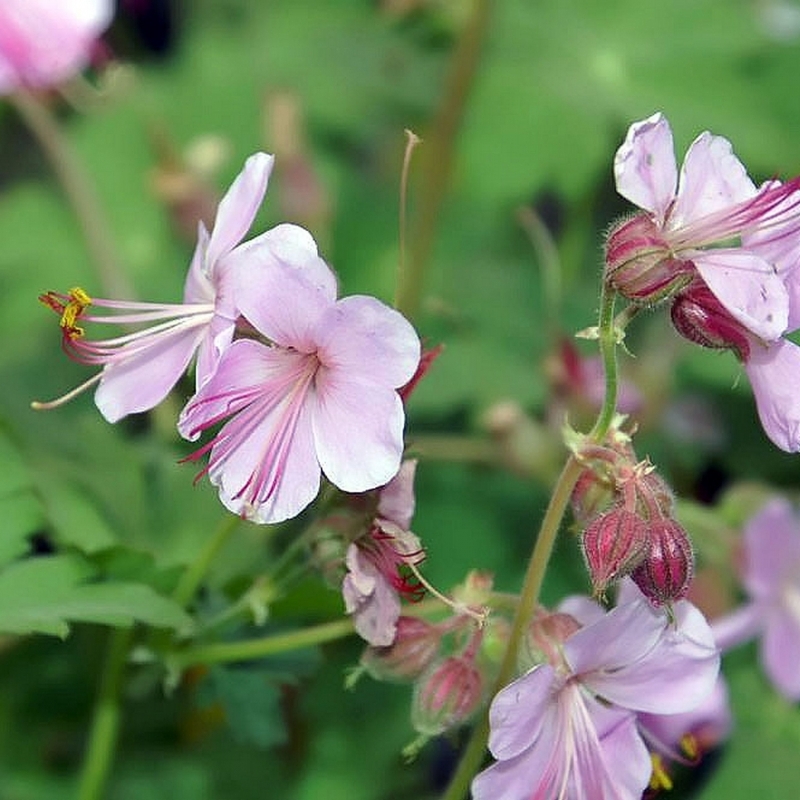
[659,779]
[690,747]
[78,303]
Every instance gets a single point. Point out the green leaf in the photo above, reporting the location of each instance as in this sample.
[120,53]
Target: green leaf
[21,515]
[251,701]
[42,595]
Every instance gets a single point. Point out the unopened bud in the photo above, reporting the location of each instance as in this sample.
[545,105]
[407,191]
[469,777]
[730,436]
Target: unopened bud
[639,265]
[666,571]
[545,637]
[591,496]
[699,317]
[415,645]
[329,540]
[447,695]
[614,545]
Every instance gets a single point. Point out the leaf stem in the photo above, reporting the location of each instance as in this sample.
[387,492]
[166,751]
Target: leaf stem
[105,721]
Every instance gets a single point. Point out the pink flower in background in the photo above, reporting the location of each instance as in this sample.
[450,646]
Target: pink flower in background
[374,581]
[771,578]
[319,396]
[725,251]
[140,367]
[567,730]
[44,42]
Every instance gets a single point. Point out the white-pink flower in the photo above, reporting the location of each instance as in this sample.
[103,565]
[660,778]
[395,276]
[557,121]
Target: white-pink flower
[567,730]
[140,367]
[771,578]
[44,42]
[710,229]
[317,394]
[374,582]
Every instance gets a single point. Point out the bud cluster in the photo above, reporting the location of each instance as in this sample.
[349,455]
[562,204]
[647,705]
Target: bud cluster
[627,511]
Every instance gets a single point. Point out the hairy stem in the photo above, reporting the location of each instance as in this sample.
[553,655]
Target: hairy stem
[79,192]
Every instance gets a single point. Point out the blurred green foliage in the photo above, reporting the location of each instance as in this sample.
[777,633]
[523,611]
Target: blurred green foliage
[556,87]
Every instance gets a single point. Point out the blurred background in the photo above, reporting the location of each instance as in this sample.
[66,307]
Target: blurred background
[520,106]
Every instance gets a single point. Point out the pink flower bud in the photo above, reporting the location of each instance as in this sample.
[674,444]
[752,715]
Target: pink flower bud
[613,546]
[446,695]
[639,264]
[666,571]
[699,317]
[591,496]
[415,645]
[544,638]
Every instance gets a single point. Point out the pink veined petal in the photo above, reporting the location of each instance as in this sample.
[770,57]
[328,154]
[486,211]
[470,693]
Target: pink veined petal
[140,382]
[367,338]
[772,548]
[280,302]
[675,676]
[358,431]
[774,373]
[521,713]
[238,208]
[645,168]
[749,289]
[712,178]
[396,500]
[291,246]
[624,634]
[43,42]
[780,647]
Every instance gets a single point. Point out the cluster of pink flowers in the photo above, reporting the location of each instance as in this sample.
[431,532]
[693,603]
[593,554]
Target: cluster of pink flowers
[572,726]
[304,383]
[723,252]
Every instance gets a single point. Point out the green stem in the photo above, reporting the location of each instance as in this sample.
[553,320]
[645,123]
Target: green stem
[224,652]
[542,550]
[437,158]
[105,722]
[79,191]
[194,574]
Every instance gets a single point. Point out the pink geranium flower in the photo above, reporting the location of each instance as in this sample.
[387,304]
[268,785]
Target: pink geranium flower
[710,229]
[317,394]
[771,578]
[374,581]
[567,729]
[43,42]
[140,367]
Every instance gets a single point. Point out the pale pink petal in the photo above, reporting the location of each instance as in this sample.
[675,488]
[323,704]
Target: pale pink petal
[645,168]
[396,500]
[772,548]
[140,382]
[625,756]
[675,676]
[290,246]
[367,338]
[358,431]
[281,303]
[774,373]
[712,178]
[370,599]
[623,635]
[519,778]
[748,288]
[198,287]
[523,712]
[217,338]
[238,208]
[43,42]
[780,647]
[582,608]
[740,625]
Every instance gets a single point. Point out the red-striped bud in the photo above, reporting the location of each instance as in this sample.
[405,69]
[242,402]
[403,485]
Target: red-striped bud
[666,572]
[614,545]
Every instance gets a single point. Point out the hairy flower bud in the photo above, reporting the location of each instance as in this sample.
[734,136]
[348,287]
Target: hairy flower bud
[614,545]
[666,572]
[446,695]
[639,263]
[699,317]
[415,645]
